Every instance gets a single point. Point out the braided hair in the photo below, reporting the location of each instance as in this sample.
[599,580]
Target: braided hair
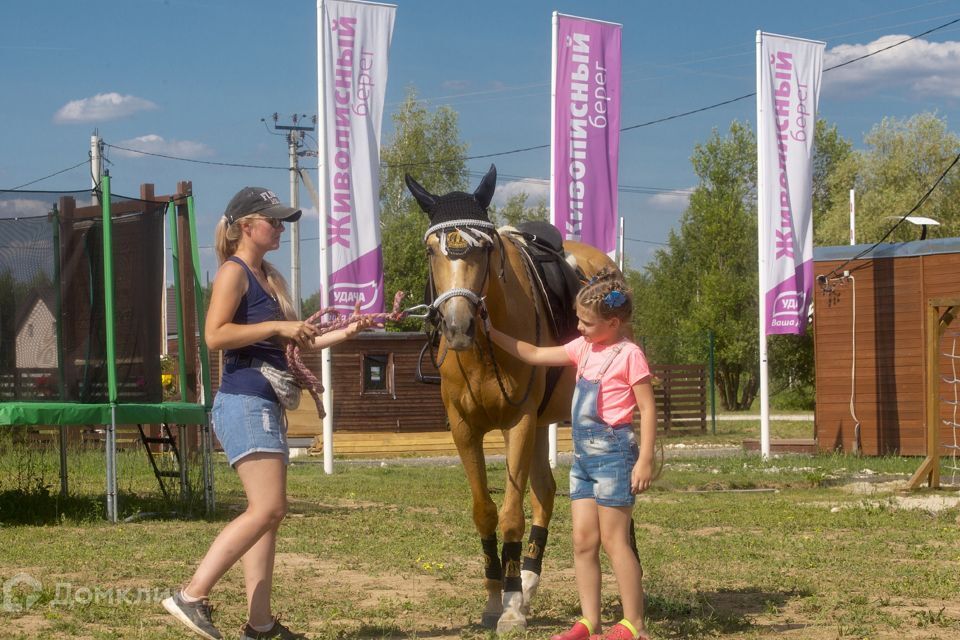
[607,295]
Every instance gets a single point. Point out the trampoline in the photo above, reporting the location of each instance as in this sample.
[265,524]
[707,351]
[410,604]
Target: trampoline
[81,289]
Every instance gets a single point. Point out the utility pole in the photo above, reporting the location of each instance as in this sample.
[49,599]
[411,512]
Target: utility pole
[96,163]
[294,137]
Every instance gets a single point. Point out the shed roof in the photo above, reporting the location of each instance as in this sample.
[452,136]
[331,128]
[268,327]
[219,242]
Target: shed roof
[888,250]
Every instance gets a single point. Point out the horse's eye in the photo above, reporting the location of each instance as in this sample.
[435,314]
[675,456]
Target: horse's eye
[429,251]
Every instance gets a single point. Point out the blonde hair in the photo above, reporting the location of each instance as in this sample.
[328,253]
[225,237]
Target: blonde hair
[226,240]
[593,296]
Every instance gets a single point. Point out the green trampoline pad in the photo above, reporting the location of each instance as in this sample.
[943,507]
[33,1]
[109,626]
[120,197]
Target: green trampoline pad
[67,413]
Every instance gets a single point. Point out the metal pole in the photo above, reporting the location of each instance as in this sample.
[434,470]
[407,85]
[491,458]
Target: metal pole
[205,383]
[853,217]
[61,376]
[293,139]
[110,352]
[96,164]
[326,357]
[552,429]
[620,245]
[713,383]
[762,262]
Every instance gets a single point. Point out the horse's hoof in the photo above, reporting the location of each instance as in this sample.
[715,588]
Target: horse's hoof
[505,625]
[512,618]
[489,620]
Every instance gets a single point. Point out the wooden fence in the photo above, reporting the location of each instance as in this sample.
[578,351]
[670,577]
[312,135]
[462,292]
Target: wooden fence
[681,393]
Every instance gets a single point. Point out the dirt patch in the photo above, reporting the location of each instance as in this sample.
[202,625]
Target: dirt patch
[413,588]
[930,503]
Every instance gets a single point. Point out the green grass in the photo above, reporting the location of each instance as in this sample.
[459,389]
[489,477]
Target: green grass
[734,432]
[391,552]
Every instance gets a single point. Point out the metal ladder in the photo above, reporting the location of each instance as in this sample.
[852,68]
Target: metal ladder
[168,440]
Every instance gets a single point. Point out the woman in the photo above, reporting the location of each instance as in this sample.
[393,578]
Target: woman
[251,319]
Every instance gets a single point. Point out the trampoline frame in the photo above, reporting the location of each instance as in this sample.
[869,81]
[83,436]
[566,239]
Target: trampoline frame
[113,412]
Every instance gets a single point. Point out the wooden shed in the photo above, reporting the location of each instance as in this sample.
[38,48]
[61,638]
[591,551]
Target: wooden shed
[869,339]
[375,387]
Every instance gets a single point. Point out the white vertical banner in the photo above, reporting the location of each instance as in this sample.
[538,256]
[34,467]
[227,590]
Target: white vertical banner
[788,90]
[354,47]
[790,71]
[353,41]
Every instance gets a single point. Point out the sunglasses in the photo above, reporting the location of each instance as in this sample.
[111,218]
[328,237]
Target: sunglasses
[273,222]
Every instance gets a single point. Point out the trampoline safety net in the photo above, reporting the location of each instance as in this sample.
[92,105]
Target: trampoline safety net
[52,323]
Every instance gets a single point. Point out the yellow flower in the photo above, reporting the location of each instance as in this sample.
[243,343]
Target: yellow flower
[166,379]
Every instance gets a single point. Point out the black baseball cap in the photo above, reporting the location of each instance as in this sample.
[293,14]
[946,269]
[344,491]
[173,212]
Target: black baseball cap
[250,200]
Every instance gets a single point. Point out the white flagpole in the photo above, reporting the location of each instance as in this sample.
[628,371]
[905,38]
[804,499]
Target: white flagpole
[762,262]
[620,245]
[552,429]
[853,217]
[326,358]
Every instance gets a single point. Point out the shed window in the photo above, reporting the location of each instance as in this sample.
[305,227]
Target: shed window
[377,373]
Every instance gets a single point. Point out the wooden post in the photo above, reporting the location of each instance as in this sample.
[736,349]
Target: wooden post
[187,299]
[934,326]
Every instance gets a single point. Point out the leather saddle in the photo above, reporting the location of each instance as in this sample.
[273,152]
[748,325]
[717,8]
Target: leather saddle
[556,281]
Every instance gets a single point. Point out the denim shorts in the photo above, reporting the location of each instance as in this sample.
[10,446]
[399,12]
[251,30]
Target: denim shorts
[603,459]
[249,424]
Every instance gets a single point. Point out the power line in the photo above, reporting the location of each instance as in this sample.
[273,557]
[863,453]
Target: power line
[662,244]
[920,202]
[56,173]
[693,111]
[194,160]
[547,146]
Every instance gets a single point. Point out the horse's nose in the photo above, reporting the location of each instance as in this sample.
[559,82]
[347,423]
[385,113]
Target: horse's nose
[459,331]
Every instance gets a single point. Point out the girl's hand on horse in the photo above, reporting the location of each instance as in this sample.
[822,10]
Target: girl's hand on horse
[299,332]
[642,476]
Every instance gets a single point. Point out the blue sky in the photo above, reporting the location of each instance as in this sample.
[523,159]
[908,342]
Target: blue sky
[193,79]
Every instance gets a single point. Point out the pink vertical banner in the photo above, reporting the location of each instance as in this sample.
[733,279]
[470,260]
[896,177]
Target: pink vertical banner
[789,76]
[354,45]
[586,130]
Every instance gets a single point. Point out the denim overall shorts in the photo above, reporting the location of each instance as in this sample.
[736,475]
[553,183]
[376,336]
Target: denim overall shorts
[603,455]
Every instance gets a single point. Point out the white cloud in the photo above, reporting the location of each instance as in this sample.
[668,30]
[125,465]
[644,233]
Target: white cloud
[926,68]
[673,202]
[152,143]
[101,107]
[24,208]
[535,190]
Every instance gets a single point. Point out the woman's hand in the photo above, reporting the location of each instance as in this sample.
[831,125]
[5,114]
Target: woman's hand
[299,332]
[641,476]
[358,325]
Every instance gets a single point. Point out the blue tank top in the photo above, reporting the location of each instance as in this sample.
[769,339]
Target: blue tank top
[239,376]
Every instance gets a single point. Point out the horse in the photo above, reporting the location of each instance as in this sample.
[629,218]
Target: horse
[472,265]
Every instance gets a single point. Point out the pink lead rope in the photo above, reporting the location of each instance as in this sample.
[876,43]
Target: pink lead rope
[337,320]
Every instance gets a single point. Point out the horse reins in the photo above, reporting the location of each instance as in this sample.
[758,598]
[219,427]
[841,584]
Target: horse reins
[476,299]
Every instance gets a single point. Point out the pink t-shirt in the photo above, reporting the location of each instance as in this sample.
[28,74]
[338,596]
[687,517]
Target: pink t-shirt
[616,400]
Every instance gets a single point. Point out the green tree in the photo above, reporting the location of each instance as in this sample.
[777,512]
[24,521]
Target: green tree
[428,147]
[516,211]
[901,160]
[706,279]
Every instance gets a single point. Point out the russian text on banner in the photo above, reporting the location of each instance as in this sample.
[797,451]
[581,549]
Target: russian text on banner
[353,77]
[586,130]
[790,72]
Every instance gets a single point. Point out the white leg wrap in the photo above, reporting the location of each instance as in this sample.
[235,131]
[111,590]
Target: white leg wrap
[512,618]
[531,581]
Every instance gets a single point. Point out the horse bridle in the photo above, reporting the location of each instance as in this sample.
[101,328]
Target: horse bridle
[475,298]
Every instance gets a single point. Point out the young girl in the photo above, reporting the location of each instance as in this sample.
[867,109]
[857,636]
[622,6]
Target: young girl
[609,469]
[251,319]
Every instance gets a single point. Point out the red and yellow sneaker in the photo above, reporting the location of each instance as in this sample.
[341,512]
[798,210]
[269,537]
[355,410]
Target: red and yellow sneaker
[624,630]
[581,630]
